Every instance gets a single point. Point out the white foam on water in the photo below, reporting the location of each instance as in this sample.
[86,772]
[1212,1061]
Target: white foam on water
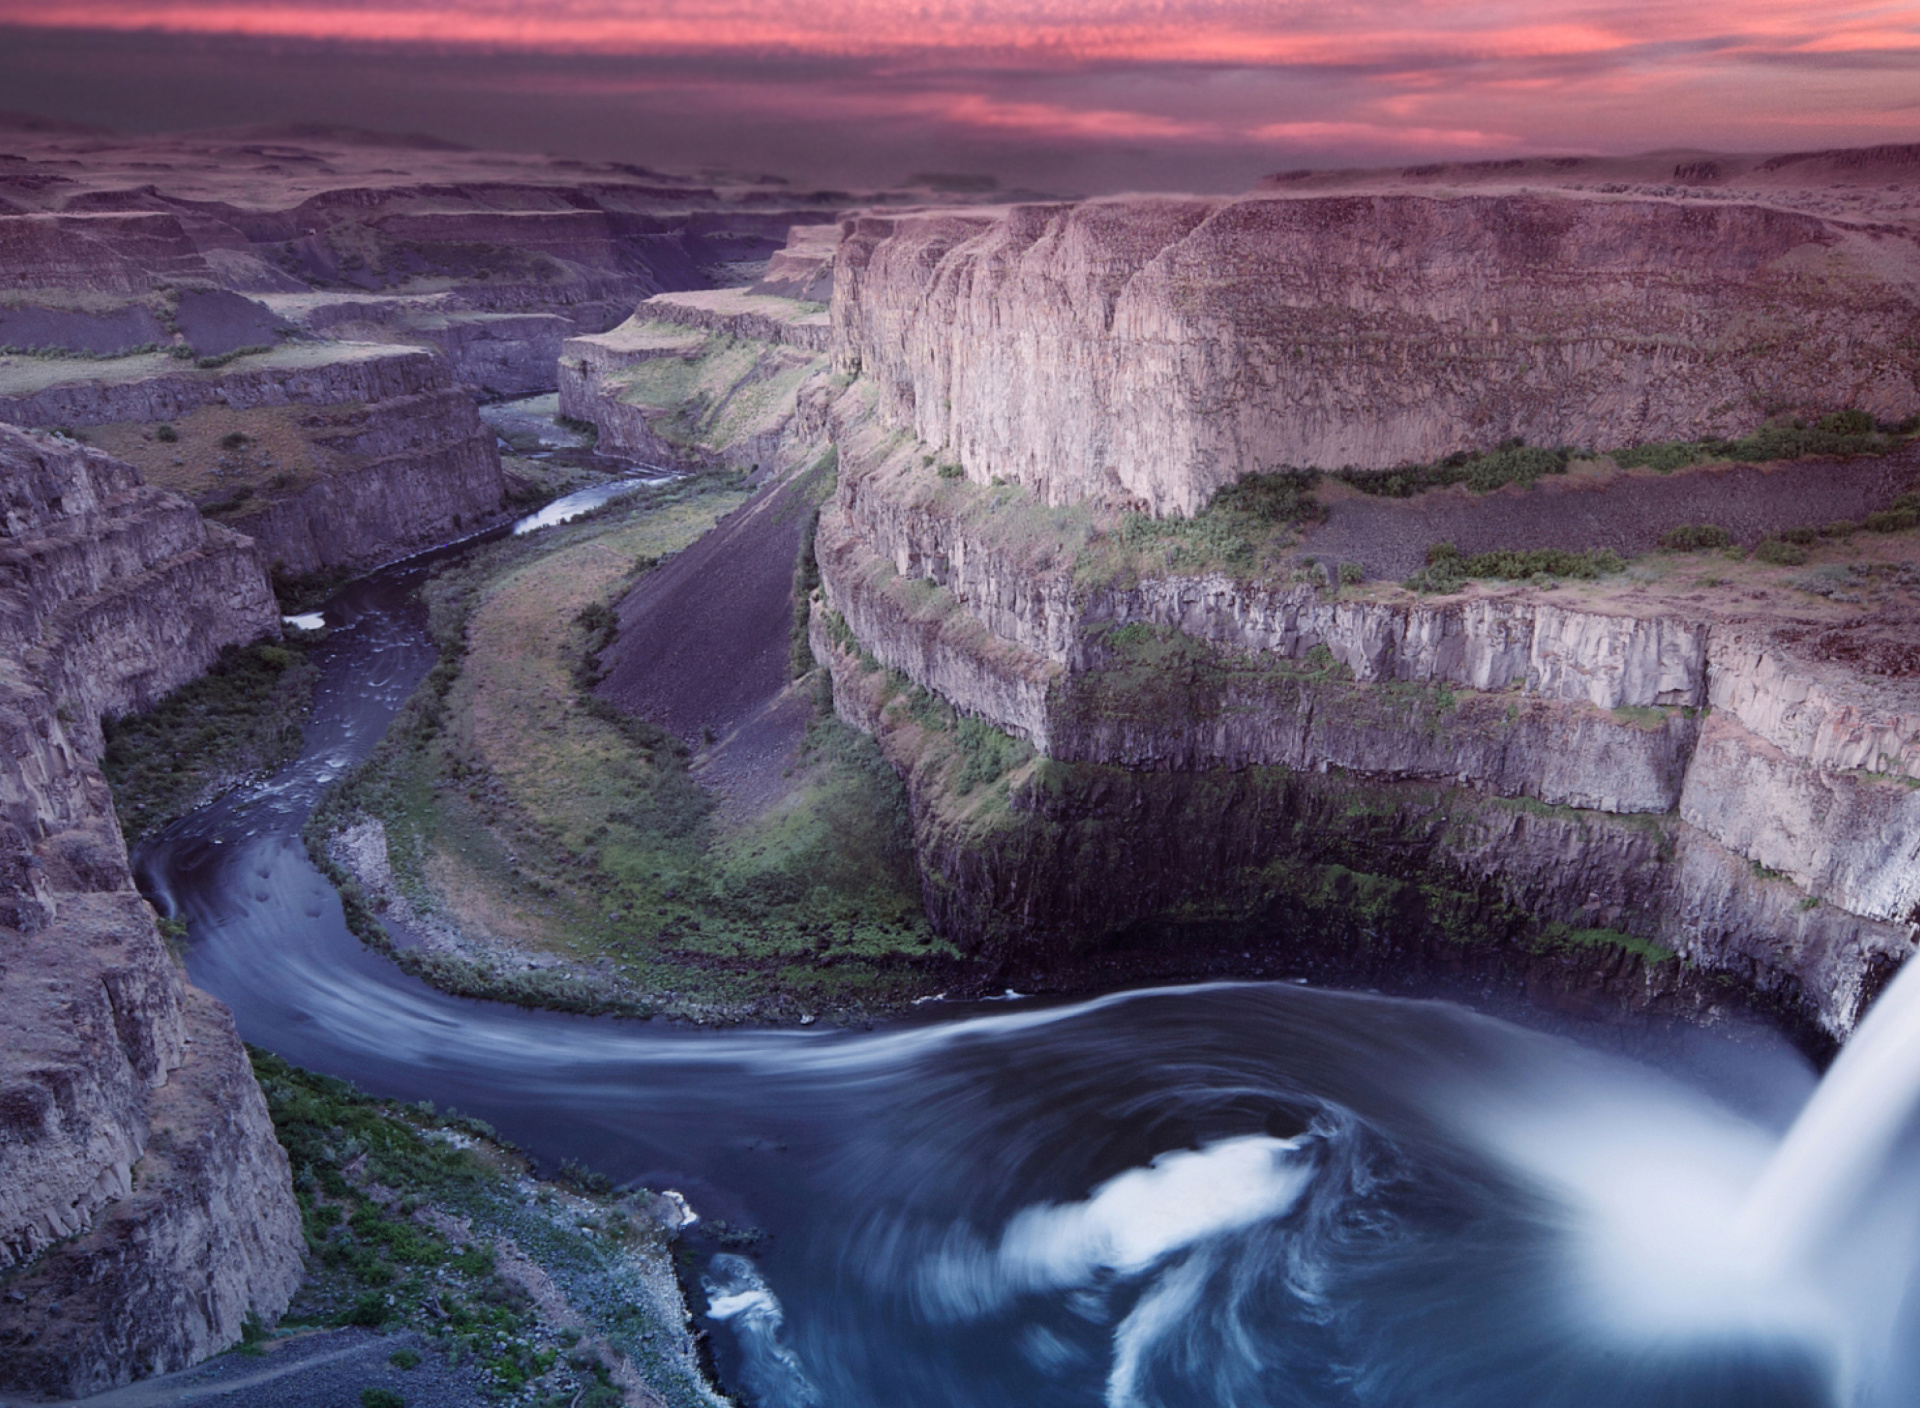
[1135,1220]
[1159,1314]
[738,1295]
[307,621]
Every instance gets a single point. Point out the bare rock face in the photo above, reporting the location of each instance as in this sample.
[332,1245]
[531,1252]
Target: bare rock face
[404,457]
[145,1209]
[1781,784]
[1150,350]
[720,377]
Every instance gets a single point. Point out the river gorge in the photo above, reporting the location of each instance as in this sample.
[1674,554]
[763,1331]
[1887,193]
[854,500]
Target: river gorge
[1227,1193]
[1306,798]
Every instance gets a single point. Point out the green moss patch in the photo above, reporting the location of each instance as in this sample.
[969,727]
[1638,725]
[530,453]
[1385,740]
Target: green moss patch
[409,1216]
[241,719]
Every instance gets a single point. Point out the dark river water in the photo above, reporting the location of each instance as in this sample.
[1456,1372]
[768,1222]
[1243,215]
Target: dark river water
[1241,1194]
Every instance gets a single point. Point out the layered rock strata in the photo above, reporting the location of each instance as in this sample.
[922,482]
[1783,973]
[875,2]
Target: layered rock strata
[1781,789]
[145,1209]
[722,378]
[401,456]
[1150,350]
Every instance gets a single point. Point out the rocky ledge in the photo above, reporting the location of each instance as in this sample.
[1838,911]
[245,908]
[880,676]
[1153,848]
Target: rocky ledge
[1151,349]
[377,451]
[145,1209]
[1658,767]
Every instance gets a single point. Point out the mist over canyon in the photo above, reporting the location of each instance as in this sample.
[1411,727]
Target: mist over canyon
[945,795]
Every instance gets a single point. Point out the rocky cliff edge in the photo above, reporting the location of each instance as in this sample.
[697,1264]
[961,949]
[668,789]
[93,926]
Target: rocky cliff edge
[145,1209]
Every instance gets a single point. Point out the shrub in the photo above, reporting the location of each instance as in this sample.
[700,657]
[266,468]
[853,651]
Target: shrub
[214,363]
[1236,525]
[1847,423]
[1840,528]
[233,439]
[1663,458]
[1691,537]
[1351,574]
[1803,536]
[1513,462]
[405,1357]
[381,1398]
[1447,567]
[368,1311]
[1778,553]
[166,434]
[950,470]
[1892,520]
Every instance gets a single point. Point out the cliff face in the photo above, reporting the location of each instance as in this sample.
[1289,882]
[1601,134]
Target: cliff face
[145,1208]
[1780,785]
[723,377]
[1151,350]
[400,456]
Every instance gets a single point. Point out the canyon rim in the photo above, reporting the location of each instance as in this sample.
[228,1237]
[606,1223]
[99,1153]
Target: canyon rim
[1494,581]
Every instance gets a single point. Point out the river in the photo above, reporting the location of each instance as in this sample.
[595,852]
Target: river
[1240,1194]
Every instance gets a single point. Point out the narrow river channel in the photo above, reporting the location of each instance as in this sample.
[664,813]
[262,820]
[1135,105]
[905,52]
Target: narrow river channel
[1243,1194]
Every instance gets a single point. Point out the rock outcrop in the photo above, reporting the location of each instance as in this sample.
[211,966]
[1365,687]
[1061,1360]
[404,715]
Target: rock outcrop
[718,378]
[1701,780]
[399,455]
[145,1209]
[1150,350]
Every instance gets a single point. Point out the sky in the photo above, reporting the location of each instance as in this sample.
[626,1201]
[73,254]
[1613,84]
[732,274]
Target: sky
[1056,94]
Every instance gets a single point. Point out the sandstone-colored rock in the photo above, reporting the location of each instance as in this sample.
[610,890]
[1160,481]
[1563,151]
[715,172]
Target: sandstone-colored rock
[1851,840]
[1083,850]
[1008,610]
[742,313]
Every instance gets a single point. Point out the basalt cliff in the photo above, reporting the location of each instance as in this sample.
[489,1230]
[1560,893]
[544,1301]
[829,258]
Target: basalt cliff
[1684,778]
[145,1209]
[1152,350]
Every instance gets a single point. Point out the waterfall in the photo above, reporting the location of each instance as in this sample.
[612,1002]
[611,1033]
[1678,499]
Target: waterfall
[1842,1140]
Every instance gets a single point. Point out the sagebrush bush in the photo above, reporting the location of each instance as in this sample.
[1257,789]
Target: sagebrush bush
[1692,537]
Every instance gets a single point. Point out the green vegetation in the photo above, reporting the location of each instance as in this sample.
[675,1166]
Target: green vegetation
[1564,936]
[166,434]
[1776,551]
[214,363]
[382,1188]
[242,718]
[1239,527]
[719,390]
[1448,569]
[516,801]
[1695,537]
[1513,462]
[1841,433]
[1903,513]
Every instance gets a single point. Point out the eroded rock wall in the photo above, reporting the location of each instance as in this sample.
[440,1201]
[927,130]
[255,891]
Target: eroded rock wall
[145,1209]
[721,378]
[405,459]
[1150,350]
[1784,785]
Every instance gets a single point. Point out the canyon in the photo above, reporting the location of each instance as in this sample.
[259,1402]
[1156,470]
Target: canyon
[1101,565]
[1034,390]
